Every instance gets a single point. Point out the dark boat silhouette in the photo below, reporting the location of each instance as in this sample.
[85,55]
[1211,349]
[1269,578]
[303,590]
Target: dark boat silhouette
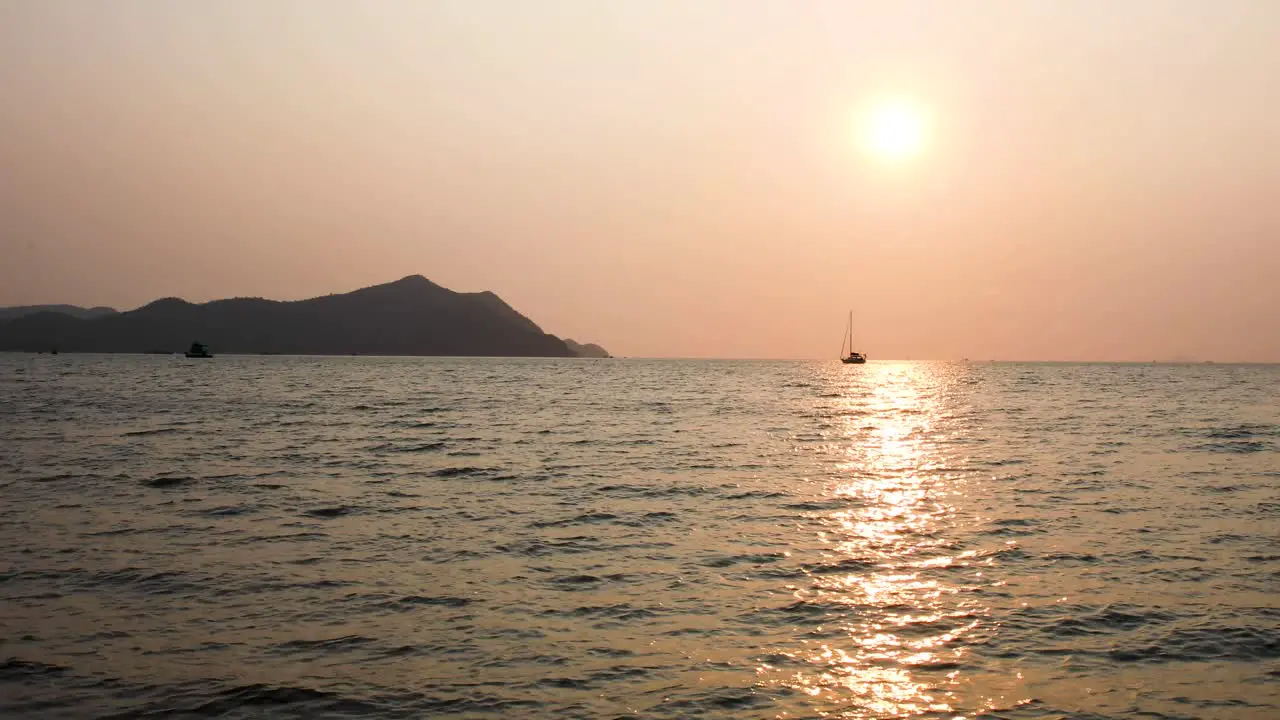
[852,358]
[198,351]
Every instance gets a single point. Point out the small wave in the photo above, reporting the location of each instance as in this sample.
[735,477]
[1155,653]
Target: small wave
[1249,644]
[229,511]
[564,683]
[147,433]
[1234,446]
[1015,522]
[650,518]
[409,449]
[113,532]
[338,644]
[1106,620]
[584,519]
[611,652]
[1012,531]
[1071,557]
[15,669]
[408,650]
[620,611]
[1225,489]
[64,476]
[817,506]
[808,611]
[33,575]
[240,698]
[654,492]
[152,583]
[715,703]
[848,565]
[330,512]
[540,548]
[466,471]
[576,580]
[731,560]
[167,482]
[283,537]
[444,601]
[1243,432]
[934,665]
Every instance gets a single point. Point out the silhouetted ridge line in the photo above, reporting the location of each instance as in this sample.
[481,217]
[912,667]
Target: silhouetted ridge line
[411,316]
[588,350]
[10,313]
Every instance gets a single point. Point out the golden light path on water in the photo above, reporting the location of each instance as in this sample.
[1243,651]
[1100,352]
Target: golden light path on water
[899,613]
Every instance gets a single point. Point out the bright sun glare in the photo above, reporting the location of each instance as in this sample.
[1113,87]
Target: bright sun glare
[894,131]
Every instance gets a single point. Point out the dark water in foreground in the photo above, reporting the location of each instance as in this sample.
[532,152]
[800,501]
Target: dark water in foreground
[293,537]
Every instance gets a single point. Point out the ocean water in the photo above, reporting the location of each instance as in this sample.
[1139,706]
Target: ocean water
[402,538]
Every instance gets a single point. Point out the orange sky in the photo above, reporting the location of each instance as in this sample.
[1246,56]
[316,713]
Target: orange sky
[666,178]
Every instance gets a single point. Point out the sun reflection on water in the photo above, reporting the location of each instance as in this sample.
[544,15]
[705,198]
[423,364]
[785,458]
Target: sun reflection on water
[898,611]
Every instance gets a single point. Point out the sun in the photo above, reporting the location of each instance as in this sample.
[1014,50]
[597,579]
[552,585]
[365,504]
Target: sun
[894,130]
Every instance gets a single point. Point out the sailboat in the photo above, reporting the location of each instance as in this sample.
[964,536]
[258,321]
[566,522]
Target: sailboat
[853,358]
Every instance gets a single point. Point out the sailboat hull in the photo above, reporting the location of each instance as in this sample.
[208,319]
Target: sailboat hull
[854,361]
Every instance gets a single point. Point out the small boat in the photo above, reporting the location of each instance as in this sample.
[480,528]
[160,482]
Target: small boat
[198,351]
[853,357]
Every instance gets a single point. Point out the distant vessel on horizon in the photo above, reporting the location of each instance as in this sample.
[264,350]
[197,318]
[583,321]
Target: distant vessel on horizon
[853,357]
[198,350]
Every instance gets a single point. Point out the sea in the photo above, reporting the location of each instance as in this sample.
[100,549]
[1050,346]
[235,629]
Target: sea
[355,537]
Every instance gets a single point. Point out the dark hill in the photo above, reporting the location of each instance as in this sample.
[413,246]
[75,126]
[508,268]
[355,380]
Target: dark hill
[589,350]
[9,313]
[413,316]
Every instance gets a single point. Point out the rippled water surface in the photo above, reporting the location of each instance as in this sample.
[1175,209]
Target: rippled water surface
[353,537]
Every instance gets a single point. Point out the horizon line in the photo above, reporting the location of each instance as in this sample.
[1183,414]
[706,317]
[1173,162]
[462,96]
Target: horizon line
[991,361]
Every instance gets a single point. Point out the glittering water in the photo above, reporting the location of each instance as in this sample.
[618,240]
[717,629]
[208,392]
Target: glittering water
[351,537]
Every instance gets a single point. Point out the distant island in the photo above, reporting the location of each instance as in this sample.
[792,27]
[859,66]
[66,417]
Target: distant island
[412,316]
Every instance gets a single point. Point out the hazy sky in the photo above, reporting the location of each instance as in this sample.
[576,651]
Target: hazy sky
[666,177]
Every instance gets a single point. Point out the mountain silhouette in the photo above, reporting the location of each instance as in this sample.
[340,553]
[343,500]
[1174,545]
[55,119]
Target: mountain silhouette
[412,316]
[9,313]
[588,350]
